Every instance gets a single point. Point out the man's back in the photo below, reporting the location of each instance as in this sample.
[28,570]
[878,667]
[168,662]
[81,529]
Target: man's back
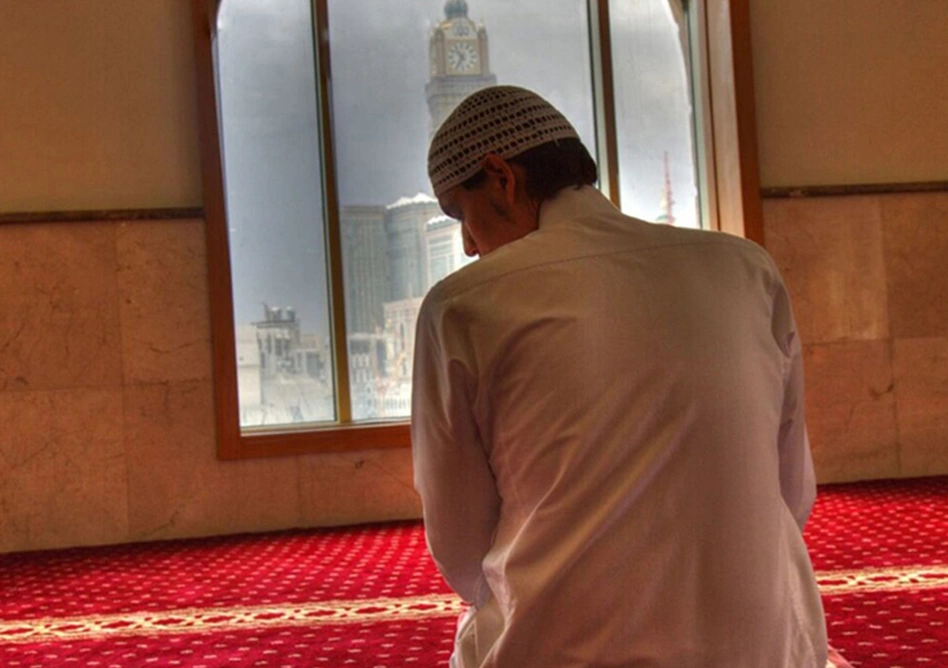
[625,385]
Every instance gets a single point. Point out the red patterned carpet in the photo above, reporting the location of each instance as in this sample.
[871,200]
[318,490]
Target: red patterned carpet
[881,554]
[370,596]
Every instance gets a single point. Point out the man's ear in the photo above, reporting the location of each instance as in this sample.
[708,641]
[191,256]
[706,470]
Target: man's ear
[500,171]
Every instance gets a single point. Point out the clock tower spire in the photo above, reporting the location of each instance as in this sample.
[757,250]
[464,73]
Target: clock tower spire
[459,62]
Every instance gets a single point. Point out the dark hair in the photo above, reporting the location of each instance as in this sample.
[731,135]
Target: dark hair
[550,167]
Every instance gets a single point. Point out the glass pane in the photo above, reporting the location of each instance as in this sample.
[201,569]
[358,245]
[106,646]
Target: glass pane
[654,111]
[398,69]
[270,144]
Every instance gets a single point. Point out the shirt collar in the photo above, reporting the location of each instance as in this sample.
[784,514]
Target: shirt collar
[570,203]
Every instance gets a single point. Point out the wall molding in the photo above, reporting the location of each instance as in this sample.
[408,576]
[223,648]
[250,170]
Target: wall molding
[785,192]
[102,215]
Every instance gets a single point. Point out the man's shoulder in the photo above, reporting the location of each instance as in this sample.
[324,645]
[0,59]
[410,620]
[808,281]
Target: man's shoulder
[501,264]
[463,281]
[688,235]
[584,238]
[722,241]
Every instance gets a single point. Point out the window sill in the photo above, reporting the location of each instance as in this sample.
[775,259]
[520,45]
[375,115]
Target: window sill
[332,438]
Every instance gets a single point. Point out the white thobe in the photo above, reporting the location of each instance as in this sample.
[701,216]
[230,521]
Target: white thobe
[609,444]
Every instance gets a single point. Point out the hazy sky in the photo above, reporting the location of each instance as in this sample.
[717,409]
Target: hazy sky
[379,54]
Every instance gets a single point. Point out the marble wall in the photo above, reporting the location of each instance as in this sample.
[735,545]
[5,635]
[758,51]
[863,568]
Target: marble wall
[870,287]
[106,402]
[106,393]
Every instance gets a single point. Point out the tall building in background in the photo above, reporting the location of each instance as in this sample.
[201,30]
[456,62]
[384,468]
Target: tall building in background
[459,62]
[444,248]
[365,267]
[405,224]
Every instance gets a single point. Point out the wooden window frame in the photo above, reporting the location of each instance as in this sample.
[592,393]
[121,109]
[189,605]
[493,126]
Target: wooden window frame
[729,186]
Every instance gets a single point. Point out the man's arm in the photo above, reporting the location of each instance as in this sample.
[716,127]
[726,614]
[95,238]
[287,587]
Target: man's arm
[452,474]
[797,478]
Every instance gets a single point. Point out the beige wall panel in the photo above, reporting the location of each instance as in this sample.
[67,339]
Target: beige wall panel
[98,105]
[851,91]
[356,487]
[177,486]
[850,410]
[829,250]
[921,377]
[163,301]
[915,233]
[59,317]
[62,473]
[867,278]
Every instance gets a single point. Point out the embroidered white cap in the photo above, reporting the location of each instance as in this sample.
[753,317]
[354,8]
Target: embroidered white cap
[504,120]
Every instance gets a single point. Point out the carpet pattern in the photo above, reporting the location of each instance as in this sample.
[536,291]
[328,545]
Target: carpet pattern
[890,540]
[370,596]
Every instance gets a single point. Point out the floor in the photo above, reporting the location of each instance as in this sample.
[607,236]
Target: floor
[370,596]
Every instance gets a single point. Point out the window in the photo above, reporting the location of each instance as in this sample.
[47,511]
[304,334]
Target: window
[269,126]
[654,111]
[323,236]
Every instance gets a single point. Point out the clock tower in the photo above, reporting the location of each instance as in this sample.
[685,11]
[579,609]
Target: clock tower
[458,60]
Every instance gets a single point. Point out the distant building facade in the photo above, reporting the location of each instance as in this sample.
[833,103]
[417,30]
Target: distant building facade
[365,267]
[284,375]
[405,224]
[444,248]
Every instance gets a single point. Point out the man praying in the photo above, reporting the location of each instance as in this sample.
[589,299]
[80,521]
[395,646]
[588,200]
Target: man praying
[607,420]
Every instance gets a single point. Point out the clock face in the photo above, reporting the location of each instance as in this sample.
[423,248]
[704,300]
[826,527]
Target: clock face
[462,57]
